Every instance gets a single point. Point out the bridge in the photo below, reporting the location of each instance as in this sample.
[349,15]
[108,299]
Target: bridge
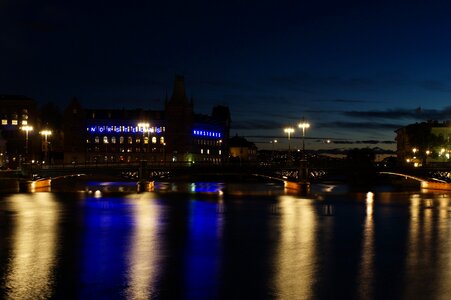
[143,171]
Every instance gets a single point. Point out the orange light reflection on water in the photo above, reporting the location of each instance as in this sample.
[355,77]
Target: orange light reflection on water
[34,246]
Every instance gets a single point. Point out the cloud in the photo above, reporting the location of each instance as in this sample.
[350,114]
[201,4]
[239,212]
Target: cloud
[434,85]
[256,124]
[401,113]
[311,83]
[345,101]
[359,125]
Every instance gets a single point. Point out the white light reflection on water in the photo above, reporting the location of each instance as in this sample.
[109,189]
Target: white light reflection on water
[30,272]
[143,253]
[366,275]
[428,233]
[297,260]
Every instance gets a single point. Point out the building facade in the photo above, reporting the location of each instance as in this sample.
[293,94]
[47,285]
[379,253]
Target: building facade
[18,114]
[175,134]
[424,143]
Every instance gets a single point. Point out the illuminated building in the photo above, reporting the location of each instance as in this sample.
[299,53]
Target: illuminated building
[15,112]
[175,134]
[424,143]
[242,150]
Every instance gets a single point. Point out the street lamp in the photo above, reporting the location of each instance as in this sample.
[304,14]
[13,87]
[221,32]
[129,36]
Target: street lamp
[145,127]
[273,142]
[26,129]
[289,131]
[303,125]
[46,133]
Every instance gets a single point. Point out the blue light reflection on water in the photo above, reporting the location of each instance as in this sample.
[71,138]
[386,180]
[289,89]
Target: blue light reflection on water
[107,225]
[203,252]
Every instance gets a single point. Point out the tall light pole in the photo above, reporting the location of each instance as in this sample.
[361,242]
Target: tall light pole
[289,131]
[26,129]
[303,168]
[303,125]
[46,133]
[145,127]
[273,142]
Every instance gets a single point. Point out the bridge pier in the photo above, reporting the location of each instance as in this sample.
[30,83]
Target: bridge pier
[304,182]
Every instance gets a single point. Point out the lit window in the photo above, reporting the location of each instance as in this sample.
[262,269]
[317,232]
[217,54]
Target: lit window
[24,122]
[220,152]
[154,140]
[87,141]
[162,140]
[146,140]
[113,139]
[121,140]
[138,140]
[201,151]
[208,151]
[130,140]
[105,140]
[4,122]
[14,122]
[96,140]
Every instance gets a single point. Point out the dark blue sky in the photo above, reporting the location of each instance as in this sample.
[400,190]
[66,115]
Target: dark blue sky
[357,70]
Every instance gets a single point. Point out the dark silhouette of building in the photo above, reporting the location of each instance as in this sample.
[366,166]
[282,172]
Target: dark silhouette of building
[242,150]
[16,112]
[176,134]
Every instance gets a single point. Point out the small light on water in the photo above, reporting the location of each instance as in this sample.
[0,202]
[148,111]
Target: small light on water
[98,194]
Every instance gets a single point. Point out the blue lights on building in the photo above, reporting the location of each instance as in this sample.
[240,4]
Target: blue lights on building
[123,129]
[207,133]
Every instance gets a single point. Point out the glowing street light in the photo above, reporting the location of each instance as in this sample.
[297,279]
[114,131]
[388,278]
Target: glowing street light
[273,142]
[46,133]
[26,129]
[145,127]
[303,125]
[289,131]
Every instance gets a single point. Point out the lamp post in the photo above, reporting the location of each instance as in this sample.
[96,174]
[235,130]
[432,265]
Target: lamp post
[26,129]
[145,127]
[46,133]
[273,142]
[303,170]
[289,131]
[303,125]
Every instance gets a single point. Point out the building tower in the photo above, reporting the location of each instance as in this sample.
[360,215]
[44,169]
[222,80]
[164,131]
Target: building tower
[179,120]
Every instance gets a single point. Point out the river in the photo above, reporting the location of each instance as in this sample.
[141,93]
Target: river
[225,241]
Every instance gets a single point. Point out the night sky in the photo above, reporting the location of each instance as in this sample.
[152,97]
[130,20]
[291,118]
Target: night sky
[356,70]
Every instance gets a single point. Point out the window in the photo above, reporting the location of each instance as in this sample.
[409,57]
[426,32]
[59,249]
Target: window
[121,140]
[14,122]
[24,122]
[138,140]
[113,139]
[201,151]
[130,140]
[96,140]
[154,140]
[146,140]
[162,140]
[4,122]
[105,140]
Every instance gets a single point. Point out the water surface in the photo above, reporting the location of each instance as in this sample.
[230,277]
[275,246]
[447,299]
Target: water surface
[218,241]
